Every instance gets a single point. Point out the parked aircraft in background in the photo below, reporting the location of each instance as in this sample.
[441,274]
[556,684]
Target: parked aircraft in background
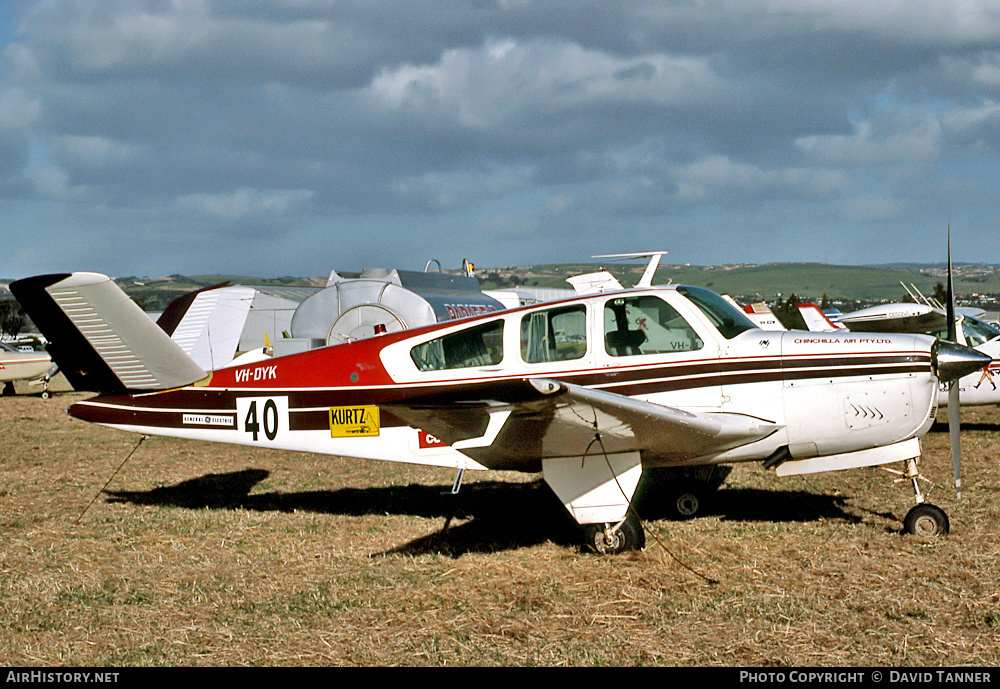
[760,313]
[978,388]
[225,324]
[15,364]
[885,318]
[589,391]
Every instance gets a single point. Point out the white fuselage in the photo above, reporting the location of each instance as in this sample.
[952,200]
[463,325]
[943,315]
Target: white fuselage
[16,365]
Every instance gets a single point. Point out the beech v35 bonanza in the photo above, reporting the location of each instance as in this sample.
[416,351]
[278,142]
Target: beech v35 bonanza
[588,391]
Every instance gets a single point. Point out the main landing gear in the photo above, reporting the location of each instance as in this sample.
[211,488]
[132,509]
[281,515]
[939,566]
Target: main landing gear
[613,539]
[923,519]
[673,493]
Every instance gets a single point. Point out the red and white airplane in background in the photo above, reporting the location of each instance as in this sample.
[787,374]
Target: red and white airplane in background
[589,391]
[762,316]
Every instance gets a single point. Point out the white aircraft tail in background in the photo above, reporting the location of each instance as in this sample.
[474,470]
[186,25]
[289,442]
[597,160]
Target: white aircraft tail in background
[816,320]
[761,314]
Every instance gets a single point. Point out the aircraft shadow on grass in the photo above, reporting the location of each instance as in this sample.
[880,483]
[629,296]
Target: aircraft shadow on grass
[485,516]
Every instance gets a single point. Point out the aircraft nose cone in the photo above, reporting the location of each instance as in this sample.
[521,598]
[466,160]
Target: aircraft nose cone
[952,361]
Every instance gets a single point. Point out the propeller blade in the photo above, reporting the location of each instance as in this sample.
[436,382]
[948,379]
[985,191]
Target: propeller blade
[954,404]
[950,289]
[955,434]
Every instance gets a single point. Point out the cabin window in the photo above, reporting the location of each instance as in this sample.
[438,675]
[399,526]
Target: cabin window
[646,325]
[481,345]
[558,334]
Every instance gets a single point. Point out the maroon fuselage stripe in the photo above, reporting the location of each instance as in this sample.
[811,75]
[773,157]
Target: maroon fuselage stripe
[308,407]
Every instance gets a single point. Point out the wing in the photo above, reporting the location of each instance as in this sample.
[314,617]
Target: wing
[516,424]
[897,318]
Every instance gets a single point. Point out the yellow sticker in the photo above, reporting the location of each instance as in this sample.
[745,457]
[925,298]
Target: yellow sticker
[350,422]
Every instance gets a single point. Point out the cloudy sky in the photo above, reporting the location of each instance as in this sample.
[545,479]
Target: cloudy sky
[277,137]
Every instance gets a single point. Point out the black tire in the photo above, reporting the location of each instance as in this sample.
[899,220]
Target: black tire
[687,500]
[630,536]
[926,519]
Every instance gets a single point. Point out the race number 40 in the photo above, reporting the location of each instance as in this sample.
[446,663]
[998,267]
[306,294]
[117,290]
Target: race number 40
[263,419]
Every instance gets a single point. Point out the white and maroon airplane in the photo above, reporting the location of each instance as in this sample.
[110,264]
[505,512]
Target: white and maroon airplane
[589,391]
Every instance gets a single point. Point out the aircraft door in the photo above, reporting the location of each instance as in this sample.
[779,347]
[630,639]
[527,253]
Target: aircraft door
[654,351]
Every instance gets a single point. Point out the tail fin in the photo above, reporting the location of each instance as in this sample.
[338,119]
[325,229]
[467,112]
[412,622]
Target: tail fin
[761,314]
[816,320]
[208,323]
[101,340]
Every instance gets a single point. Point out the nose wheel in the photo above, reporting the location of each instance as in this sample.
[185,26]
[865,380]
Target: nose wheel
[923,519]
[926,519]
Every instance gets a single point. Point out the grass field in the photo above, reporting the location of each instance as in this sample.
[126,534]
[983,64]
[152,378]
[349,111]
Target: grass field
[213,555]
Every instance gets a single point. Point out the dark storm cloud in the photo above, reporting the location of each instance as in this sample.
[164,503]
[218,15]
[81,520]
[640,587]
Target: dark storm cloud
[499,127]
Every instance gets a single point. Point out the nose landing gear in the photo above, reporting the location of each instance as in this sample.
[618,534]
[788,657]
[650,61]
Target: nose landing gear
[923,519]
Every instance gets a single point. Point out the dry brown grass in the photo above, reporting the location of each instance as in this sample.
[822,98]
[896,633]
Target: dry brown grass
[215,555]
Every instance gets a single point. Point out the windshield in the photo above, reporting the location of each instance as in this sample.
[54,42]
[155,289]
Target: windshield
[978,332]
[727,318]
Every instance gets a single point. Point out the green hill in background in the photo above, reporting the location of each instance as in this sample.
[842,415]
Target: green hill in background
[977,285]
[808,281]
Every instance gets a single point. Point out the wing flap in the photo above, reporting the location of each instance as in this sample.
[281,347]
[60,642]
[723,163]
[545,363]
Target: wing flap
[551,419]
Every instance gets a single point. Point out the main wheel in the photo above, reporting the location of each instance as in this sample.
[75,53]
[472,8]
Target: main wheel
[687,499]
[926,519]
[629,536]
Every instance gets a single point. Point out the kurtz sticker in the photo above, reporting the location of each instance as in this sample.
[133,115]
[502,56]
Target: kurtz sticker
[350,422]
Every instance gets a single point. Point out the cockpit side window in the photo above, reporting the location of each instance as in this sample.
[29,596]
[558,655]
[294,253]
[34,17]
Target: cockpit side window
[481,345]
[558,334]
[646,325]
